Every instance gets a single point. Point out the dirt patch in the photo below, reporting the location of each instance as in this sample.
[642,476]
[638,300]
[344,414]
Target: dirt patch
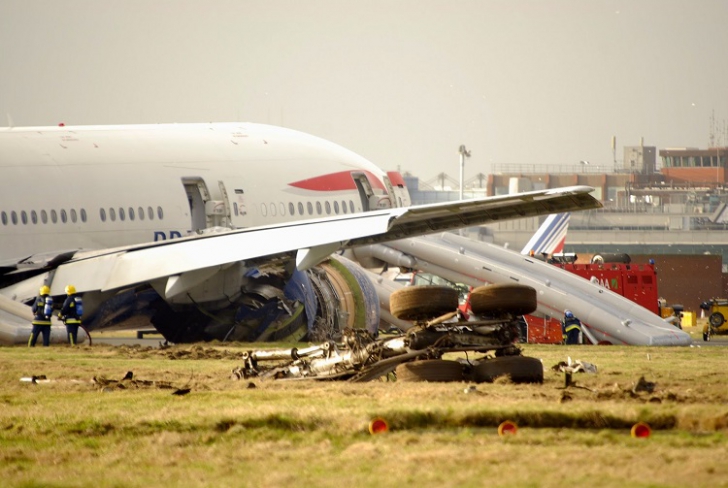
[194,352]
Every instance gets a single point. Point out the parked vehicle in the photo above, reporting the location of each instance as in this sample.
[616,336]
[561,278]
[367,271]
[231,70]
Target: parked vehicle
[717,309]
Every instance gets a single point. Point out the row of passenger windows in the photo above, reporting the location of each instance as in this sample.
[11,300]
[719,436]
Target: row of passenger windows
[73,216]
[307,210]
[130,213]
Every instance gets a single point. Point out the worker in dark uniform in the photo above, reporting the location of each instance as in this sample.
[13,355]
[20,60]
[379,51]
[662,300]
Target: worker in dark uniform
[571,327]
[42,310]
[71,313]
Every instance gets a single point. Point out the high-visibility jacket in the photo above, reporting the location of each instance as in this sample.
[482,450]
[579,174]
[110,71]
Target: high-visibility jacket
[571,323]
[42,310]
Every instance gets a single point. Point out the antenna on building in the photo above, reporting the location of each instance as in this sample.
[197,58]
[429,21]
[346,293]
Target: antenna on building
[712,128]
[614,150]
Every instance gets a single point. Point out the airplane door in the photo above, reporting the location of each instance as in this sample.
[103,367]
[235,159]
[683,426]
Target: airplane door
[365,190]
[197,196]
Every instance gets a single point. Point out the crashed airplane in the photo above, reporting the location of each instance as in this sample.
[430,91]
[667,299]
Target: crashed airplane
[211,231]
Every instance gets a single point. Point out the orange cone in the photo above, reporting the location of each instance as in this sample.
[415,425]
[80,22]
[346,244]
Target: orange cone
[378,426]
[507,428]
[641,430]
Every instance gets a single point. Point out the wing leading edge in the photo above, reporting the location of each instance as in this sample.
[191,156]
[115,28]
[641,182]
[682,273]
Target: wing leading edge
[314,239]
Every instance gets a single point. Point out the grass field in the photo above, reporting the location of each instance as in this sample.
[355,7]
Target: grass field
[73,431]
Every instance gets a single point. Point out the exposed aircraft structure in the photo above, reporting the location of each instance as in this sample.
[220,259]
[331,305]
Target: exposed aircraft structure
[213,231]
[607,315]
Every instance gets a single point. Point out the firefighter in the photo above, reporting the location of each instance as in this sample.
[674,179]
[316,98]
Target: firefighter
[42,310]
[71,313]
[571,328]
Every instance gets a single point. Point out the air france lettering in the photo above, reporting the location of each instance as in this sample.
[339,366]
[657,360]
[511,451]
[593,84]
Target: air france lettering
[160,235]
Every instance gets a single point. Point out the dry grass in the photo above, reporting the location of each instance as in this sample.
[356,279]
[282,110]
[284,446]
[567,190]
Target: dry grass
[72,432]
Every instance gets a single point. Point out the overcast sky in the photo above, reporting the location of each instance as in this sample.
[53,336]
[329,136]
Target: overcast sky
[401,82]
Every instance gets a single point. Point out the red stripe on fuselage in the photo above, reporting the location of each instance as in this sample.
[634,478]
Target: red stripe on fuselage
[396,179]
[337,182]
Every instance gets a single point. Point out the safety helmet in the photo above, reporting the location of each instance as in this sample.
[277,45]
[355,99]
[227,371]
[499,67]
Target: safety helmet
[70,289]
[568,314]
[44,290]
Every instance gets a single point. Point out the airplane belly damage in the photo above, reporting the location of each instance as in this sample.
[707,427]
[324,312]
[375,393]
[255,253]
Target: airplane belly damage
[249,304]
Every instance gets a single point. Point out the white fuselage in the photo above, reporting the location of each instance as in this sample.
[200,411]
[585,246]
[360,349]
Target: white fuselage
[66,188]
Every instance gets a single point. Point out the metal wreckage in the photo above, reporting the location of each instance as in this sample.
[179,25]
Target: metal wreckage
[487,342]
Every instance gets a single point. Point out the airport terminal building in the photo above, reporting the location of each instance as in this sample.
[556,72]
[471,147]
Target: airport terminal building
[675,212]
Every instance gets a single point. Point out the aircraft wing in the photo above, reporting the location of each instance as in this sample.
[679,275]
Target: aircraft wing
[196,257]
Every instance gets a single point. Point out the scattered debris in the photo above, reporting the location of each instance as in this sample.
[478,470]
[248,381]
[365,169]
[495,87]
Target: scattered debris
[35,379]
[643,385]
[577,366]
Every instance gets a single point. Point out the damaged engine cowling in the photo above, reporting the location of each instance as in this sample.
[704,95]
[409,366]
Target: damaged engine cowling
[249,303]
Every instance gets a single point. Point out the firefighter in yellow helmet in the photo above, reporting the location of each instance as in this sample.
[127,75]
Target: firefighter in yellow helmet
[42,310]
[71,313]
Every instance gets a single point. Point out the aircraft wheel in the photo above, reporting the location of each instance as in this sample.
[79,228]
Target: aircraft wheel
[716,319]
[423,302]
[430,370]
[521,369]
[496,300]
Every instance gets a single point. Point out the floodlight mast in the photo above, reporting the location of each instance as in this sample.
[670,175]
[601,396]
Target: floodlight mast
[464,153]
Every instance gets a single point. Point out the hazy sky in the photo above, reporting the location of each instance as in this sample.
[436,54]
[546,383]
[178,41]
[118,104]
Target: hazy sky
[401,82]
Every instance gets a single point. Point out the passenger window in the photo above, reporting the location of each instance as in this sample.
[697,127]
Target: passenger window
[4,217]
[64,216]
[44,216]
[33,217]
[318,208]
[83,215]
[300,208]
[74,215]
[122,215]
[141,213]
[150,213]
[328,208]
[309,207]
[235,208]
[112,214]
[102,214]
[14,217]
[263,210]
[291,208]
[273,209]
[351,206]
[54,216]
[343,206]
[24,217]
[336,207]
[282,208]
[160,214]
[131,213]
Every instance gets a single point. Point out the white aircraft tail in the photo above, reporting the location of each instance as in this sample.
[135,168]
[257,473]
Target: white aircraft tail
[550,237]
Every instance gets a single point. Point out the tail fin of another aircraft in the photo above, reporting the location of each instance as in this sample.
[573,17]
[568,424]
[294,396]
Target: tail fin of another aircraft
[550,237]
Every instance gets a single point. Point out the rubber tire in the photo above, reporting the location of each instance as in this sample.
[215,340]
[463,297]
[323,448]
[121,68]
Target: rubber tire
[423,302]
[521,369]
[434,370]
[493,300]
[716,319]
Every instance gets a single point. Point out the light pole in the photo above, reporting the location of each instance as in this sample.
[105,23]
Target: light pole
[464,153]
